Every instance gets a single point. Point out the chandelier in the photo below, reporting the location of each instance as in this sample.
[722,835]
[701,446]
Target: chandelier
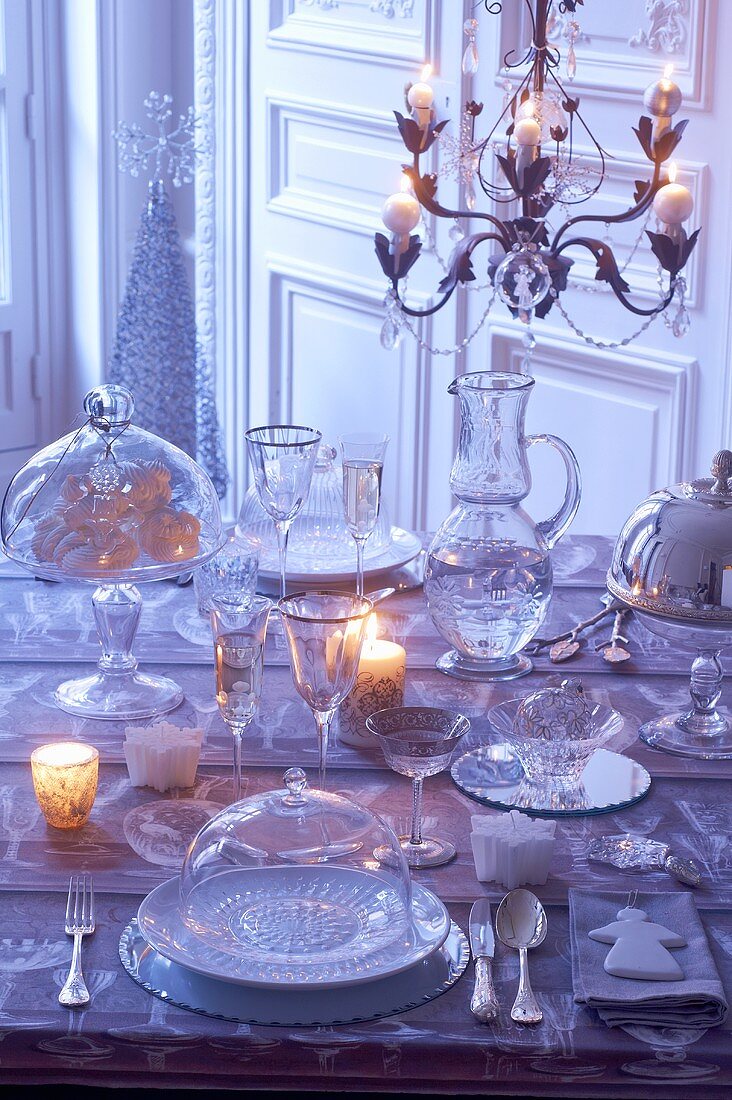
[530,159]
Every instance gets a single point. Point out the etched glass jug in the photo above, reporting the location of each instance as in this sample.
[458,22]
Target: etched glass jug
[488,580]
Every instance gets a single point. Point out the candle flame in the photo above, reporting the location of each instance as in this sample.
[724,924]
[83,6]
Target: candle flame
[672,172]
[406,184]
[372,627]
[668,71]
[426,72]
[525,109]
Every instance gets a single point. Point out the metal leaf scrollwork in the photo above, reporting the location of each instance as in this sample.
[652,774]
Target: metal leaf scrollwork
[667,31]
[672,254]
[406,260]
[461,268]
[413,137]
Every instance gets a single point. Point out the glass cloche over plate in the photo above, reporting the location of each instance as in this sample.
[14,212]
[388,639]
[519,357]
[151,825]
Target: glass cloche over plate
[294,887]
[113,505]
[672,564]
[320,545]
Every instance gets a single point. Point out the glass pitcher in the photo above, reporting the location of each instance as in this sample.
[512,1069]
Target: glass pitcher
[488,580]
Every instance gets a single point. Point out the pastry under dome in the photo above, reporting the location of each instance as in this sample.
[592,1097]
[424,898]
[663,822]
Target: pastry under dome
[110,502]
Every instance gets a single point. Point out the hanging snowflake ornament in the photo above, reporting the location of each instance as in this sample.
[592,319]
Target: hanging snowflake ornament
[173,152]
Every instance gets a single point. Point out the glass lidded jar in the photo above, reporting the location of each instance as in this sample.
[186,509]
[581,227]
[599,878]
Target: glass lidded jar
[110,502]
[296,887]
[113,505]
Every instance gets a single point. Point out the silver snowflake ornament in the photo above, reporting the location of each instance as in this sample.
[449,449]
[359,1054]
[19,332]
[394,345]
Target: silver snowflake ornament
[171,151]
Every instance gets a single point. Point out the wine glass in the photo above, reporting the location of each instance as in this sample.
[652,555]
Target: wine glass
[363,464]
[419,741]
[325,632]
[283,459]
[239,631]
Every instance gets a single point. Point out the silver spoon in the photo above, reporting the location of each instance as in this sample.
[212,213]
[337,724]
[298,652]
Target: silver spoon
[521,924]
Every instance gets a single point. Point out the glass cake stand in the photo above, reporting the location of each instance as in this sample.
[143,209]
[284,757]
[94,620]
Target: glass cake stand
[112,505]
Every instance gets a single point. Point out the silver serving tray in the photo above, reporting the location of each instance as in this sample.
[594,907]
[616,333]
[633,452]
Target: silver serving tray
[280,1008]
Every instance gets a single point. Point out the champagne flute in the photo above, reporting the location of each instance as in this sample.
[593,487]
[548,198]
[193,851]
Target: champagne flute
[239,630]
[325,633]
[283,459]
[363,464]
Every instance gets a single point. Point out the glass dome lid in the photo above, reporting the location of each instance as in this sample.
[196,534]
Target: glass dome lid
[110,502]
[319,540]
[295,887]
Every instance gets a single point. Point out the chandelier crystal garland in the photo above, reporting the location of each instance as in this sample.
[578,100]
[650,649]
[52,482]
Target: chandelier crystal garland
[533,141]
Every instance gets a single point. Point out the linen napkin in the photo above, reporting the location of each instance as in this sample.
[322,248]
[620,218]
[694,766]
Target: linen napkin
[695,1001]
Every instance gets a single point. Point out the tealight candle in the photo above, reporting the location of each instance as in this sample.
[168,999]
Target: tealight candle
[65,781]
[673,203]
[379,684]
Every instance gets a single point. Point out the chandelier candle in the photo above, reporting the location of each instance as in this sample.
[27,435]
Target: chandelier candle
[420,98]
[673,204]
[379,684]
[662,100]
[527,133]
[400,214]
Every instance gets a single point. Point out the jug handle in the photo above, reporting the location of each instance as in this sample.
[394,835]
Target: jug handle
[553,528]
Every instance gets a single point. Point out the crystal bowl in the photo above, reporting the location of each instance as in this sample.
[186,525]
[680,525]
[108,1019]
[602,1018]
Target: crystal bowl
[559,762]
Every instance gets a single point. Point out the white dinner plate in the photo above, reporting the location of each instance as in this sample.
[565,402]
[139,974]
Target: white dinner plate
[265,942]
[403,547]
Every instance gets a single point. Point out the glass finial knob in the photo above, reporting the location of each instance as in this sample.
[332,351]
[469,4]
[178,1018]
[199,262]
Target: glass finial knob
[295,781]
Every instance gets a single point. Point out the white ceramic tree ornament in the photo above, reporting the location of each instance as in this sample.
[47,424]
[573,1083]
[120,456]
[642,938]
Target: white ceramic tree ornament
[640,948]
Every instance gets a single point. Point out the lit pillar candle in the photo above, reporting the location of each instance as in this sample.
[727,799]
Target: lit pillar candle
[65,781]
[420,98]
[400,215]
[527,134]
[673,203]
[662,100]
[379,684]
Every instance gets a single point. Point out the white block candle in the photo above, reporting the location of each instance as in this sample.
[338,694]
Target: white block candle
[379,684]
[162,756]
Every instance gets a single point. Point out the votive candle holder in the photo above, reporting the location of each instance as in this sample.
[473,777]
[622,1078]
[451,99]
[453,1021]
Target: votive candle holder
[65,781]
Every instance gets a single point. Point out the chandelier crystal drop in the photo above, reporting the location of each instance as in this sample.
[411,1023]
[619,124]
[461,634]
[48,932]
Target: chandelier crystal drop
[528,167]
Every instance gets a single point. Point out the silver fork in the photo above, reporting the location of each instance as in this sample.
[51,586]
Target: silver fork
[79,923]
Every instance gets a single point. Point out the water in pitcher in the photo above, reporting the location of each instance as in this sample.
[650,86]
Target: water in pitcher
[488,601]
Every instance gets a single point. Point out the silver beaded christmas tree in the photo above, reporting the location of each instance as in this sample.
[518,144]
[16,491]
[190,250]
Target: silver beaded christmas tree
[156,351]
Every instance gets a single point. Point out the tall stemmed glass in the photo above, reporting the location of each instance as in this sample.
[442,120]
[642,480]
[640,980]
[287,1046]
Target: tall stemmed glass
[283,459]
[239,630]
[363,464]
[419,741]
[325,632]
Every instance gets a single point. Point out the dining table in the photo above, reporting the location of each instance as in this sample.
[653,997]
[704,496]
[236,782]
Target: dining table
[127,1037]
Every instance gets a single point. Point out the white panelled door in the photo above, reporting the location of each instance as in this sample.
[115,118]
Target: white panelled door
[325,152]
[324,149]
[643,416]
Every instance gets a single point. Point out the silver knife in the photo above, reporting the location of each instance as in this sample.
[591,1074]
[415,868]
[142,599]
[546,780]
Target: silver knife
[483,1003]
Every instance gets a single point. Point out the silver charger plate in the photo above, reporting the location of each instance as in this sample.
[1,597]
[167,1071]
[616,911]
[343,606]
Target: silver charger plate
[293,927]
[175,984]
[493,775]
